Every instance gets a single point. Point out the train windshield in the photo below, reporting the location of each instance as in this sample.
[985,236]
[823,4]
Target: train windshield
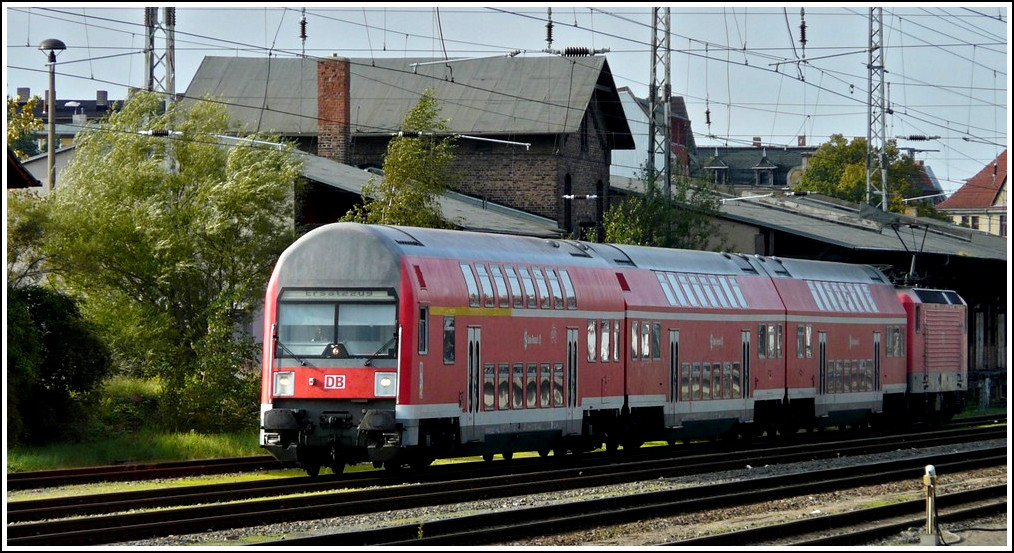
[326,326]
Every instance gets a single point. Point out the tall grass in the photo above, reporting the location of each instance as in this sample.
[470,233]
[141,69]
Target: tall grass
[126,430]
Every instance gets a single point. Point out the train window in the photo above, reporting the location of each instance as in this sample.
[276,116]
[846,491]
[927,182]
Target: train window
[305,328]
[681,299]
[635,339]
[695,381]
[800,341]
[504,386]
[727,289]
[554,285]
[604,353]
[488,387]
[706,381]
[487,285]
[772,342]
[473,288]
[698,290]
[645,340]
[656,340]
[709,290]
[716,289]
[526,281]
[818,297]
[448,339]
[691,297]
[568,289]
[501,286]
[532,386]
[558,385]
[738,292]
[545,302]
[518,387]
[846,377]
[727,380]
[839,376]
[736,389]
[778,341]
[685,381]
[855,375]
[664,283]
[809,341]
[616,341]
[592,330]
[545,389]
[761,341]
[367,329]
[515,285]
[424,330]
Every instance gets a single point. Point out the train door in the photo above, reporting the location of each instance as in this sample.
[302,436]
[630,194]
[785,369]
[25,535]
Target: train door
[876,361]
[822,363]
[674,368]
[473,406]
[571,396]
[747,388]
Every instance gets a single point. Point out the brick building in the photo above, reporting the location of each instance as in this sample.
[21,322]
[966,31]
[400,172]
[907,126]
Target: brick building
[535,134]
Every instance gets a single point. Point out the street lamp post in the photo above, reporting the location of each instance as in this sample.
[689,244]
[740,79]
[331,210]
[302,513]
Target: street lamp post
[53,45]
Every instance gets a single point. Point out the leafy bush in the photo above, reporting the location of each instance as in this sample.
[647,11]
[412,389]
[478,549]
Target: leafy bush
[60,360]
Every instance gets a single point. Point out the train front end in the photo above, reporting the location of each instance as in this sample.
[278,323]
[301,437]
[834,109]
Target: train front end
[330,364]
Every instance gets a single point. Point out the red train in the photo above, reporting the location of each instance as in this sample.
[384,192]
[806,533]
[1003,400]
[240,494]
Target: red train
[397,346]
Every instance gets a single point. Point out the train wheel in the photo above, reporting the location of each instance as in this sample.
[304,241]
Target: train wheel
[507,456]
[337,463]
[312,470]
[487,456]
[393,466]
[543,453]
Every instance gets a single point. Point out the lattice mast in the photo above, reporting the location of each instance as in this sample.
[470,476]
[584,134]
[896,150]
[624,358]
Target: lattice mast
[876,132]
[659,105]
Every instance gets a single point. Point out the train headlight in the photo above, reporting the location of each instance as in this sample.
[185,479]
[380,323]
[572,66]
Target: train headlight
[284,383]
[385,384]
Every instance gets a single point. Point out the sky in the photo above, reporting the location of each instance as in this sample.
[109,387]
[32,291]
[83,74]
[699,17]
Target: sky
[744,70]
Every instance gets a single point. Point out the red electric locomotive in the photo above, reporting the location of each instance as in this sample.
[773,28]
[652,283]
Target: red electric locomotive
[397,345]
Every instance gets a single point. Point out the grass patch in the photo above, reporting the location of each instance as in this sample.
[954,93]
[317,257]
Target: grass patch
[141,447]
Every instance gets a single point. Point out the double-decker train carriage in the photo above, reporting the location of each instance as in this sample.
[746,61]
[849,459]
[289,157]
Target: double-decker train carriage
[398,345]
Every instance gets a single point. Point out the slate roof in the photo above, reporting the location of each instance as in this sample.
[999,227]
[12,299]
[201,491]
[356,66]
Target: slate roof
[484,96]
[980,191]
[850,227]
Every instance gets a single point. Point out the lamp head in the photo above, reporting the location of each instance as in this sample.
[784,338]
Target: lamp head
[53,45]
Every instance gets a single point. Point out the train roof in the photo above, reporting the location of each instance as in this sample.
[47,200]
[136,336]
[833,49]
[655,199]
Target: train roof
[358,242]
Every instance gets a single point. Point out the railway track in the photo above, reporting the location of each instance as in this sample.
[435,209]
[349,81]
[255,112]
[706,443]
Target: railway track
[492,528]
[139,471]
[468,486]
[150,471]
[861,526]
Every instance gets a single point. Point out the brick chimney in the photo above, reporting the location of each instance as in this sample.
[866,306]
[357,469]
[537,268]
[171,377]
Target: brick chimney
[333,108]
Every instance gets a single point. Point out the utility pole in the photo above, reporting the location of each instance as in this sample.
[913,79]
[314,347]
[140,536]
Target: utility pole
[659,103]
[876,132]
[166,82]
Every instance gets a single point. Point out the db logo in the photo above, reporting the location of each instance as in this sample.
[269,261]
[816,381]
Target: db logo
[334,381]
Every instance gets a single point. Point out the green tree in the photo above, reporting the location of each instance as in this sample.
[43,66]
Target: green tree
[55,362]
[416,173]
[170,239]
[21,126]
[687,220]
[838,169]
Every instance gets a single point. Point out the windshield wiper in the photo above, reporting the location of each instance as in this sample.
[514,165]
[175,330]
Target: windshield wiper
[376,353]
[287,350]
